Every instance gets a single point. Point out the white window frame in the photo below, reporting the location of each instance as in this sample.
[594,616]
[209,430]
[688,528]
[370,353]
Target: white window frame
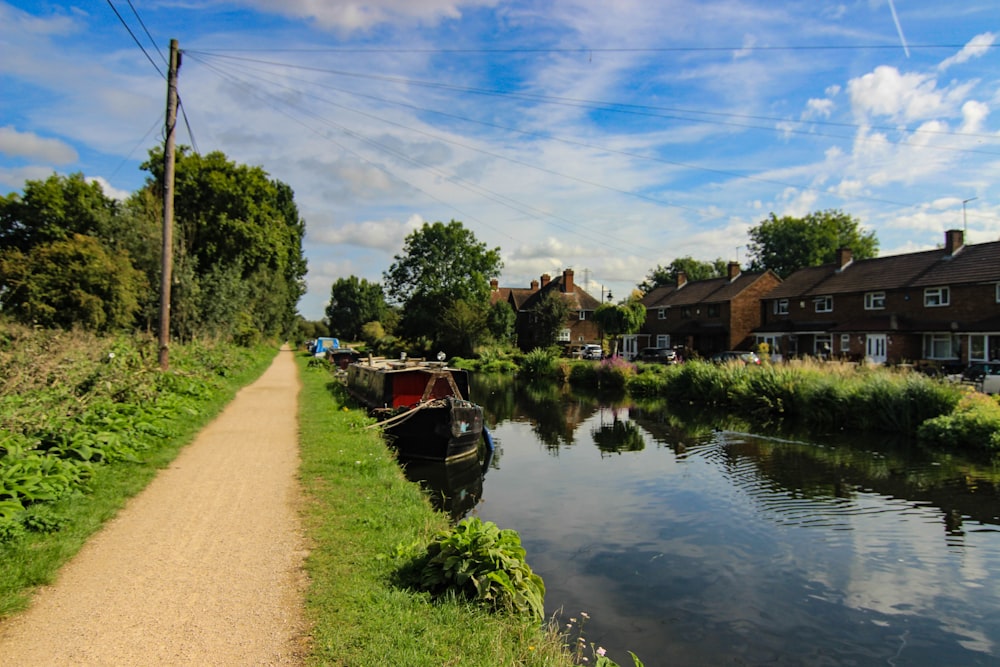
[940,346]
[583,314]
[663,341]
[936,297]
[825,301]
[998,292]
[564,336]
[781,306]
[819,341]
[662,314]
[874,300]
[845,343]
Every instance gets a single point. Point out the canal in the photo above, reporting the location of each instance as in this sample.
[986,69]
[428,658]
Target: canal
[690,540]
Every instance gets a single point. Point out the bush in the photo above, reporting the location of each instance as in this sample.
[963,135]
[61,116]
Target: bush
[481,562]
[542,364]
[974,424]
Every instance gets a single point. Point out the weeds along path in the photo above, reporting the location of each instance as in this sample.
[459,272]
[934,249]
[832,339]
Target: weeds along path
[204,567]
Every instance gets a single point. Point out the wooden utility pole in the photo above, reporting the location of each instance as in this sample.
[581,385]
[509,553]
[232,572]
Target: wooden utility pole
[168,206]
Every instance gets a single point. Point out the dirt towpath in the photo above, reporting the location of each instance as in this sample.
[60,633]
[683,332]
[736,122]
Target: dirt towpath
[204,567]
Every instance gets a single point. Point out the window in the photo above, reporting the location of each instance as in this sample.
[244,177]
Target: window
[713,310]
[874,300]
[998,292]
[583,314]
[823,345]
[662,313]
[663,341]
[781,307]
[564,336]
[686,312]
[824,304]
[845,343]
[936,296]
[940,346]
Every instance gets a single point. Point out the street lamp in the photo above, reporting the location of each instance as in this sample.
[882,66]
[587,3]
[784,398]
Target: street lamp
[965,221]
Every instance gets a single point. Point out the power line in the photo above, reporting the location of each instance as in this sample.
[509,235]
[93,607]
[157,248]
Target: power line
[136,40]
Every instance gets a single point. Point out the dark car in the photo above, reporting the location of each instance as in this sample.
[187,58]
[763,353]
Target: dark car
[735,355]
[978,370]
[663,355]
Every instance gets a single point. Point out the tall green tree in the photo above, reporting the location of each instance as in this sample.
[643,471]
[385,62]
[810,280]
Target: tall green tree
[239,246]
[440,264]
[694,269]
[353,303]
[500,322]
[548,317]
[621,320]
[54,210]
[70,282]
[787,244]
[464,326]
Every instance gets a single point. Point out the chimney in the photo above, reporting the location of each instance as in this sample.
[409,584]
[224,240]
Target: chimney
[733,271]
[954,239]
[568,281]
[682,278]
[494,284]
[534,285]
[844,257]
[545,279]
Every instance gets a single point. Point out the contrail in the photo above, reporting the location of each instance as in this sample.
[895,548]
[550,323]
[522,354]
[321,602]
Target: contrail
[899,29]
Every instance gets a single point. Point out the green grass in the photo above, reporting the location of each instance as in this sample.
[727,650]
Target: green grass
[364,521]
[61,383]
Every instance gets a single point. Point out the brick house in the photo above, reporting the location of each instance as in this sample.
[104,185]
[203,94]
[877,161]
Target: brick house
[705,316]
[580,326]
[938,307]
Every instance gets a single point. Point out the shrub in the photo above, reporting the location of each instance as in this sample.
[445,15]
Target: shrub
[974,424]
[481,562]
[541,364]
[614,373]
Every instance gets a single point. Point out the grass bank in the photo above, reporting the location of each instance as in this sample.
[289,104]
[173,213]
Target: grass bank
[85,423]
[363,520]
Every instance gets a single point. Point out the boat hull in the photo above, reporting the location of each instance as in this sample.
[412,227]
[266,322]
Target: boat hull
[442,430]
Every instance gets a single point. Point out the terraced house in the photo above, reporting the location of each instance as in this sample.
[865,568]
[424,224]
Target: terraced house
[937,308]
[704,316]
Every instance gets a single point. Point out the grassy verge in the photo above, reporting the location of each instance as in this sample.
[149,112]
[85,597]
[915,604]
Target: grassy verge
[363,519]
[101,407]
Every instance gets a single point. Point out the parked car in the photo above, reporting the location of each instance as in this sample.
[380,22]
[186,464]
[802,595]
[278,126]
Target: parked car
[975,372]
[591,352]
[735,355]
[663,355]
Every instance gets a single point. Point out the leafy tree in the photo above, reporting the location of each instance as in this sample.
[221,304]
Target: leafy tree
[463,326]
[621,320]
[549,315]
[787,244]
[54,210]
[440,264]
[69,282]
[500,321]
[239,246]
[354,302]
[693,268]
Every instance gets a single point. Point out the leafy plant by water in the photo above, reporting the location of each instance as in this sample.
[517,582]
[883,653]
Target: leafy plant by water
[482,562]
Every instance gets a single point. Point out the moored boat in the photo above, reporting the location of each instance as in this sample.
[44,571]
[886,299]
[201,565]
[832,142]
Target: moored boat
[424,407]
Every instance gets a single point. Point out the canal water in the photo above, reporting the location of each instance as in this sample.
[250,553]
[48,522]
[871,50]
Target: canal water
[691,540]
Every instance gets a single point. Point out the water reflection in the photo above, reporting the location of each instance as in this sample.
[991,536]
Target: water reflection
[691,540]
[454,487]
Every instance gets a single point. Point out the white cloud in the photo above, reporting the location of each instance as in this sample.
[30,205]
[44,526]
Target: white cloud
[817,108]
[902,97]
[385,235]
[109,190]
[977,47]
[30,145]
[347,15]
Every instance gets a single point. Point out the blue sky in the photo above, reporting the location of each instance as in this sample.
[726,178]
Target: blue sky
[609,137]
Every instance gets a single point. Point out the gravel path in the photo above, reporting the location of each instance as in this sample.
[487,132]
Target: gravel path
[204,567]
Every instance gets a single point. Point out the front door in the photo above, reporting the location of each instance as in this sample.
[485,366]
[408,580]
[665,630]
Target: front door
[875,348]
[630,346]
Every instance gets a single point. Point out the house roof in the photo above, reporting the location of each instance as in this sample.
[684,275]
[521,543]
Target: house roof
[578,299]
[971,264]
[713,290]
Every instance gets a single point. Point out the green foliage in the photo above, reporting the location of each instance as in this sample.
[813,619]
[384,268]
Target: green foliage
[354,302]
[694,270]
[541,364]
[440,264]
[481,562]
[549,316]
[620,320]
[69,282]
[500,322]
[787,244]
[463,326]
[614,373]
[974,425]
